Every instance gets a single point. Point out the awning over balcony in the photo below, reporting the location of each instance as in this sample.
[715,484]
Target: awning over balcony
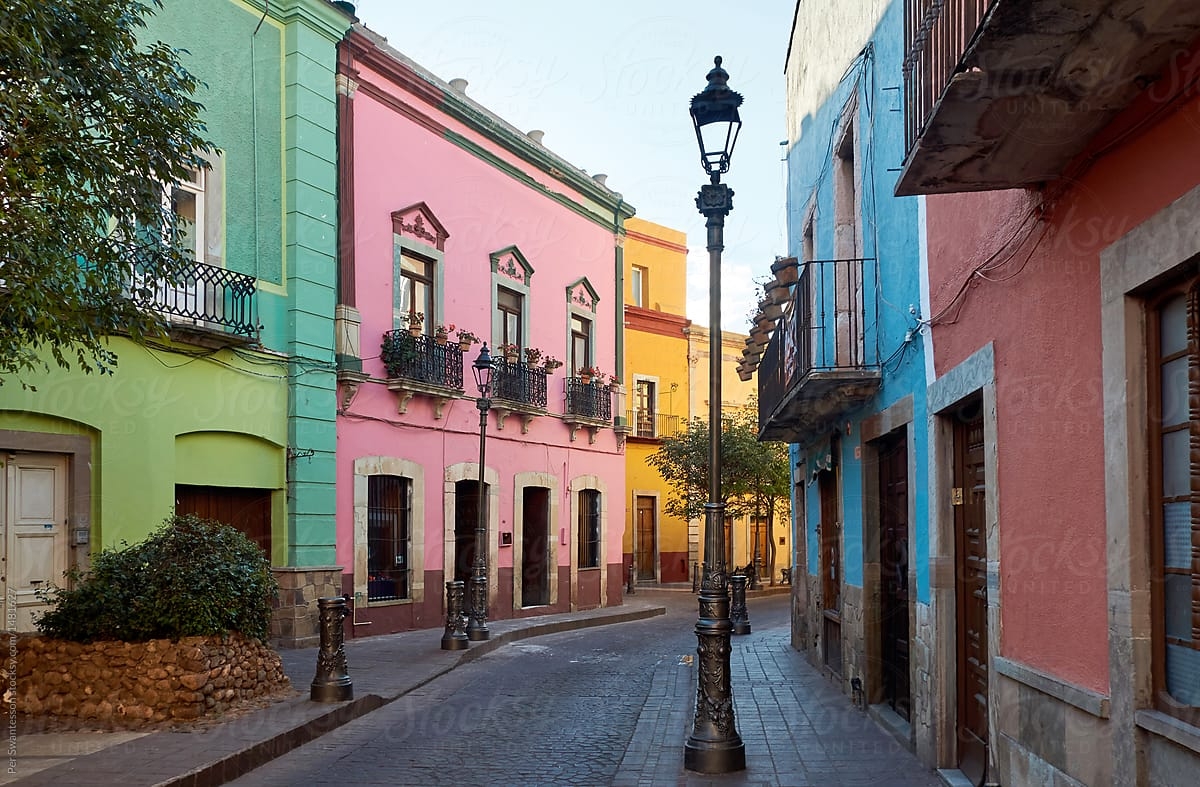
[1005,93]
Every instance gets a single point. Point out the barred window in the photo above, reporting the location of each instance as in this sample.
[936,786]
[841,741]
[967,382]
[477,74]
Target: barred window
[389,534]
[589,528]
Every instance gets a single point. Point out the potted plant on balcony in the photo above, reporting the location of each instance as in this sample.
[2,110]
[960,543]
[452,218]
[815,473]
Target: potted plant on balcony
[466,339]
[551,363]
[589,373]
[398,352]
[416,322]
[441,333]
[510,351]
[533,356]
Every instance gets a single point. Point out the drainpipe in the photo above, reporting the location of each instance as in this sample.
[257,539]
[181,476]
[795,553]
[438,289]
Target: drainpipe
[619,262]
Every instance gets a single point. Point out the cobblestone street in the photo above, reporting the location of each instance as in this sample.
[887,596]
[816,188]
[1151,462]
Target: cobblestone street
[608,706]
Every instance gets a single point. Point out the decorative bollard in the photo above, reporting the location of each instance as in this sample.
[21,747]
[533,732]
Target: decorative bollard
[455,637]
[630,585]
[738,615]
[758,572]
[332,682]
[695,577]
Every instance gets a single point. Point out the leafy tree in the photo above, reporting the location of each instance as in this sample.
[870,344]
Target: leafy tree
[754,475]
[92,125]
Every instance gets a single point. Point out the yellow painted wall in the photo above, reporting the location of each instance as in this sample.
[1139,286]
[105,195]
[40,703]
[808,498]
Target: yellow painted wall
[649,354]
[735,394]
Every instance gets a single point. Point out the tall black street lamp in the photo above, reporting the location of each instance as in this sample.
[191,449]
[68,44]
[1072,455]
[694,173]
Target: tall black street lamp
[477,629]
[714,745]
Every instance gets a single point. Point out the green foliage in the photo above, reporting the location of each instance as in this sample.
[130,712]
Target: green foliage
[92,126]
[190,577]
[752,473]
[398,352]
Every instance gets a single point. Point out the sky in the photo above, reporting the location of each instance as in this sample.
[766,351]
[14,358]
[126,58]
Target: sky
[610,84]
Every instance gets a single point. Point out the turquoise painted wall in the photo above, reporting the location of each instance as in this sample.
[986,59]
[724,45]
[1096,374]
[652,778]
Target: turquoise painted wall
[269,101]
[890,236]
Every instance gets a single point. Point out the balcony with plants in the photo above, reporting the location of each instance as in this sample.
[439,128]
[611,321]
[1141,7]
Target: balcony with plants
[519,383]
[422,364]
[823,360]
[1004,94]
[589,401]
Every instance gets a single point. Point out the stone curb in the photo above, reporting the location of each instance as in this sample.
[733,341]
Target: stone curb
[259,753]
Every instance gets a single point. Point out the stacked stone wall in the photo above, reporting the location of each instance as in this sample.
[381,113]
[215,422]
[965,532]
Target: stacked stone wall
[128,684]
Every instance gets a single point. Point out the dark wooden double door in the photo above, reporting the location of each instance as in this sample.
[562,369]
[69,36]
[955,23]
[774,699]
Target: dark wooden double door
[893,573]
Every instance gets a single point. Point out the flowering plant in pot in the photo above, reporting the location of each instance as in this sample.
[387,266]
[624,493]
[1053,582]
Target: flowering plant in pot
[533,356]
[589,373]
[551,363]
[416,322]
[510,351]
[441,333]
[466,339]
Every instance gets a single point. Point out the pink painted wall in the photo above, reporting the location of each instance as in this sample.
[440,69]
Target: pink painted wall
[1042,311]
[398,162]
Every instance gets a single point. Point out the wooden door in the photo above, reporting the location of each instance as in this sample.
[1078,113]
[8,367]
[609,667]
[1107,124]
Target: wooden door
[33,504]
[647,539]
[893,573]
[249,510]
[466,522]
[831,569]
[535,553]
[970,587]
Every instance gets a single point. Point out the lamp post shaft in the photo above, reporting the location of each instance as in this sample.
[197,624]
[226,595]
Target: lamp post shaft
[477,629]
[714,745]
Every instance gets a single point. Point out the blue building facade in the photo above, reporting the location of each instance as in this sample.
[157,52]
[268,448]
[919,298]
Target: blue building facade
[843,377]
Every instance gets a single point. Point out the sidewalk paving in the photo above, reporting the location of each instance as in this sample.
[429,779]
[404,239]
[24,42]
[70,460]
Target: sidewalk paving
[383,669]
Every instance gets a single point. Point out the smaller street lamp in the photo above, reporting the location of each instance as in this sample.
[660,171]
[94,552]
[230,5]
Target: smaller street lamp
[477,629]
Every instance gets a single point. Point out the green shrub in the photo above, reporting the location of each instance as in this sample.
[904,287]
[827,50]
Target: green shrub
[190,577]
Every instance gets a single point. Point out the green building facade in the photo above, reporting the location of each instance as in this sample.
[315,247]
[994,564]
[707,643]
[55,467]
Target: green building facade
[233,415]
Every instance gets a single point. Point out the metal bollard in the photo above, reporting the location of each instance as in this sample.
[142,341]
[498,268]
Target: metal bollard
[758,572]
[455,637]
[738,615]
[695,577]
[332,682]
[630,585]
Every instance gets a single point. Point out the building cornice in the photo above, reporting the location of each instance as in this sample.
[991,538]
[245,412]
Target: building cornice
[652,240]
[374,51]
[661,323]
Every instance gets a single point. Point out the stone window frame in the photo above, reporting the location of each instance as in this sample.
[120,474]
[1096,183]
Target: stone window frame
[1162,245]
[469,471]
[364,467]
[517,276]
[578,484]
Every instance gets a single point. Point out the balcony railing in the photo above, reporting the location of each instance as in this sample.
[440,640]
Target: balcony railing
[205,296]
[937,33]
[422,359]
[519,382]
[589,400]
[824,357]
[652,425]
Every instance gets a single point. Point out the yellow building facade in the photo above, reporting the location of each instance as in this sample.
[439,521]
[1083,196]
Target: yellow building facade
[657,399]
[744,534]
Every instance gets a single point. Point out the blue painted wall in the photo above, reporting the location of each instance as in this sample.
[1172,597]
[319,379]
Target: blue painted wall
[892,282]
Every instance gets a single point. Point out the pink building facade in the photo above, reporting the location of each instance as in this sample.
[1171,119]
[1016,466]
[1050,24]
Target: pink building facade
[1064,314]
[449,217]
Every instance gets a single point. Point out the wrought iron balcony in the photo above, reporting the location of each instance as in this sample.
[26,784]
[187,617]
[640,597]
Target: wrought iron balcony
[519,382]
[650,425]
[421,365]
[1006,93]
[204,296]
[823,360]
[518,388]
[588,404]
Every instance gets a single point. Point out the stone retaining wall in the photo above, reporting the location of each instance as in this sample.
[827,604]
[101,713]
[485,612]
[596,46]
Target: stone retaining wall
[130,684]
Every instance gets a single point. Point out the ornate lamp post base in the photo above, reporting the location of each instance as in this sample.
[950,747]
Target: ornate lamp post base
[714,745]
[477,629]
